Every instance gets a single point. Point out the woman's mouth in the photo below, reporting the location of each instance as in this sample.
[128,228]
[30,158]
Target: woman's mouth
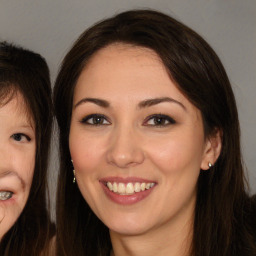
[129,188]
[127,191]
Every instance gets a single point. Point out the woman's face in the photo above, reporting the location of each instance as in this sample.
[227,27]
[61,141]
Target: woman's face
[136,142]
[17,160]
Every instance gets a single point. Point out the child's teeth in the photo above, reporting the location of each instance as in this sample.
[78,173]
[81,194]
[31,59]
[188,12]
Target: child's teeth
[137,187]
[129,188]
[148,185]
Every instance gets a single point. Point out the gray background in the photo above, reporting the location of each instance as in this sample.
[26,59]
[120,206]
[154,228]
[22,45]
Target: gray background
[51,26]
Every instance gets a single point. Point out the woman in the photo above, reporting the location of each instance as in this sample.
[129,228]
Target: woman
[149,127]
[25,130]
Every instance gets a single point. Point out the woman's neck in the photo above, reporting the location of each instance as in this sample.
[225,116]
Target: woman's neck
[172,238]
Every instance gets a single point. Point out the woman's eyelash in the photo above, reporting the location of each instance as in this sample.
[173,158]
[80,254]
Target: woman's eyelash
[20,137]
[153,120]
[95,119]
[159,120]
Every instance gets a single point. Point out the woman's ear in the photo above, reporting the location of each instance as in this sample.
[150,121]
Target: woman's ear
[213,145]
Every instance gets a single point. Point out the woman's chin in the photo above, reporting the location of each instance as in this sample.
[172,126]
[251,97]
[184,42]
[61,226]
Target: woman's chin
[130,228]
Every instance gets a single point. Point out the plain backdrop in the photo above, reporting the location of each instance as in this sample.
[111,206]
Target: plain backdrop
[51,26]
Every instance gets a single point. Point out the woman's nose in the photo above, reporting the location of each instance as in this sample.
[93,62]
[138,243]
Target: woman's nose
[125,149]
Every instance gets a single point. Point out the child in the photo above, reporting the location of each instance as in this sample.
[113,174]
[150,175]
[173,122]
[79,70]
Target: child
[25,130]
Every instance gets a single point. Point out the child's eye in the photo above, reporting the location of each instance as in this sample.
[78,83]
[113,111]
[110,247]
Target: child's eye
[159,120]
[95,119]
[4,195]
[21,137]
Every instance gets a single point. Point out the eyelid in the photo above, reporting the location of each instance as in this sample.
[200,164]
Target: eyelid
[88,117]
[11,183]
[21,134]
[163,116]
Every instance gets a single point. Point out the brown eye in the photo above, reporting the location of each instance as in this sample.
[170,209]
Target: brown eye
[159,120]
[95,120]
[20,137]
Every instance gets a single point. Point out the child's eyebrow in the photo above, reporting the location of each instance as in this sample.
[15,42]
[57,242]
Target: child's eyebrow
[27,126]
[15,174]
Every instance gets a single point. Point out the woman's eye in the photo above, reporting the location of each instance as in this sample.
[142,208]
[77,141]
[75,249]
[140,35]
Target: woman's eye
[95,120]
[20,137]
[4,195]
[159,120]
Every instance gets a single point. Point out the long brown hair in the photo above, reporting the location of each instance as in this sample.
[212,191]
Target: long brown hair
[27,73]
[222,222]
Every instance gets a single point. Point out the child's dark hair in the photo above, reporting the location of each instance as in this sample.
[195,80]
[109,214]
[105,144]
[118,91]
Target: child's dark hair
[26,72]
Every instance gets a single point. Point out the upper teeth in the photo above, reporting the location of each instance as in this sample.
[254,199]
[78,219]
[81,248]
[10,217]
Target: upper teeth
[4,195]
[128,188]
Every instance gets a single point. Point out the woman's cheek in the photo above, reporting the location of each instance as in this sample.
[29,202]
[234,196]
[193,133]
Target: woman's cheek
[86,153]
[165,154]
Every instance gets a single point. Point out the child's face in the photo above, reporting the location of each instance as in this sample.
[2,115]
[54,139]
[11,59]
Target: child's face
[17,160]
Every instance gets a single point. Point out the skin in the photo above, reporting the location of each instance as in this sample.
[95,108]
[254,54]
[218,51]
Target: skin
[17,159]
[128,142]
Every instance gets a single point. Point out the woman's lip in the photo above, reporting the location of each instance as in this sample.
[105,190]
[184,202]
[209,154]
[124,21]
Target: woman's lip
[126,180]
[126,199]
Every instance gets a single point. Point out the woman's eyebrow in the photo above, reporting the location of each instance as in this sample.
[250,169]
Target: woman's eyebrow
[99,102]
[15,174]
[155,101]
[142,104]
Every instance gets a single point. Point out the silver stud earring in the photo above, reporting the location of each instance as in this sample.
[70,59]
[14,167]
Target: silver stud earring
[74,179]
[210,164]
[74,172]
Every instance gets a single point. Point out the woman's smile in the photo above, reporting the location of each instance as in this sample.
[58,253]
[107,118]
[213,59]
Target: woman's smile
[136,142]
[127,191]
